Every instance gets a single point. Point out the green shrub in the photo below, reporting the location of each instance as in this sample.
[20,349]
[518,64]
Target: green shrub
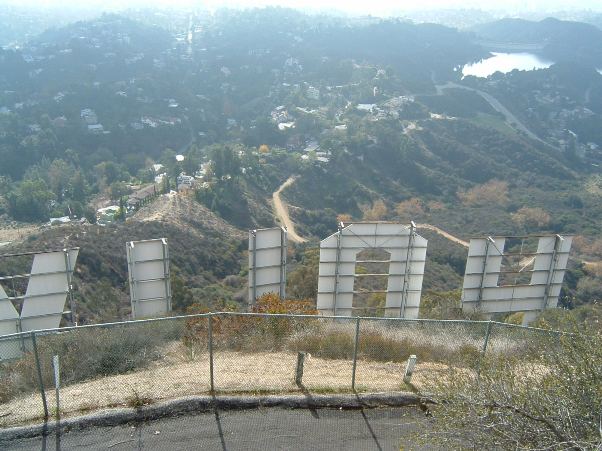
[88,353]
[551,403]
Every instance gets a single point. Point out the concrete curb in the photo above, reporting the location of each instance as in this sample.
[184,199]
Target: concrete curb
[115,417]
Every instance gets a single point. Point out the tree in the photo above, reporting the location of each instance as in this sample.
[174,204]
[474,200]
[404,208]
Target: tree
[166,187]
[531,218]
[377,212]
[120,215]
[30,201]
[410,209]
[494,192]
[5,184]
[78,187]
[182,297]
[59,173]
[344,218]
[302,283]
[72,157]
[117,190]
[107,172]
[225,161]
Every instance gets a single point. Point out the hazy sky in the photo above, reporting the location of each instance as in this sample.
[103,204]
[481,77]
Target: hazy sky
[375,7]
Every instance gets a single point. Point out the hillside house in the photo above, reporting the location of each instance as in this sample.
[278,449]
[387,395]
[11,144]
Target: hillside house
[313,93]
[185,182]
[140,197]
[89,116]
[106,215]
[96,129]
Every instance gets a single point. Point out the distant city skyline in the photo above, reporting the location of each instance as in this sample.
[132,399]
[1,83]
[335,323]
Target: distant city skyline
[375,7]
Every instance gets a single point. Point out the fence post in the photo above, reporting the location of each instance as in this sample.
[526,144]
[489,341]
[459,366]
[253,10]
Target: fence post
[57,385]
[485,344]
[407,375]
[299,370]
[34,345]
[355,348]
[210,332]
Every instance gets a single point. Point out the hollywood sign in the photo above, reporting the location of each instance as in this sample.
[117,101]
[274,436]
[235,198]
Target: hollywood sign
[538,275]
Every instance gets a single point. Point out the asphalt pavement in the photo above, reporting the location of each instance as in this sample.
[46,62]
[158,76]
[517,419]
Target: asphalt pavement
[259,429]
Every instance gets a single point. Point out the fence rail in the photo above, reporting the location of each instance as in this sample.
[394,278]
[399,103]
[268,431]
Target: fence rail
[137,362]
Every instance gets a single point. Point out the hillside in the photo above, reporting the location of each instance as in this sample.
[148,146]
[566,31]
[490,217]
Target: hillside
[560,40]
[204,250]
[371,117]
[183,212]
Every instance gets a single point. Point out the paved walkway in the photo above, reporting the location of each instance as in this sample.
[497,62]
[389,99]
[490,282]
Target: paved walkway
[264,429]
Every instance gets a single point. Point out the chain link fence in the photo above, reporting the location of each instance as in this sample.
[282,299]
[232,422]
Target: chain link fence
[140,362]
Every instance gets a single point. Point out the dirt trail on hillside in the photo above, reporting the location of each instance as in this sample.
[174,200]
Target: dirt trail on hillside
[443,233]
[281,212]
[592,266]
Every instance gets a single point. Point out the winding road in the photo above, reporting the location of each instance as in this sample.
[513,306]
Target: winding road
[281,211]
[510,118]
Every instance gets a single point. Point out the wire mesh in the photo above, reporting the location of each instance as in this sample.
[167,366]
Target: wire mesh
[128,364]
[140,362]
[385,346]
[329,345]
[520,342]
[258,353]
[18,381]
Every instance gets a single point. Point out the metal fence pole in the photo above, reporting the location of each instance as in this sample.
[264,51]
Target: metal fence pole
[57,385]
[355,348]
[210,332]
[34,345]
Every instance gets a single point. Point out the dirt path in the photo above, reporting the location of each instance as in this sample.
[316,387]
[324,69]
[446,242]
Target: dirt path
[281,212]
[443,233]
[592,266]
